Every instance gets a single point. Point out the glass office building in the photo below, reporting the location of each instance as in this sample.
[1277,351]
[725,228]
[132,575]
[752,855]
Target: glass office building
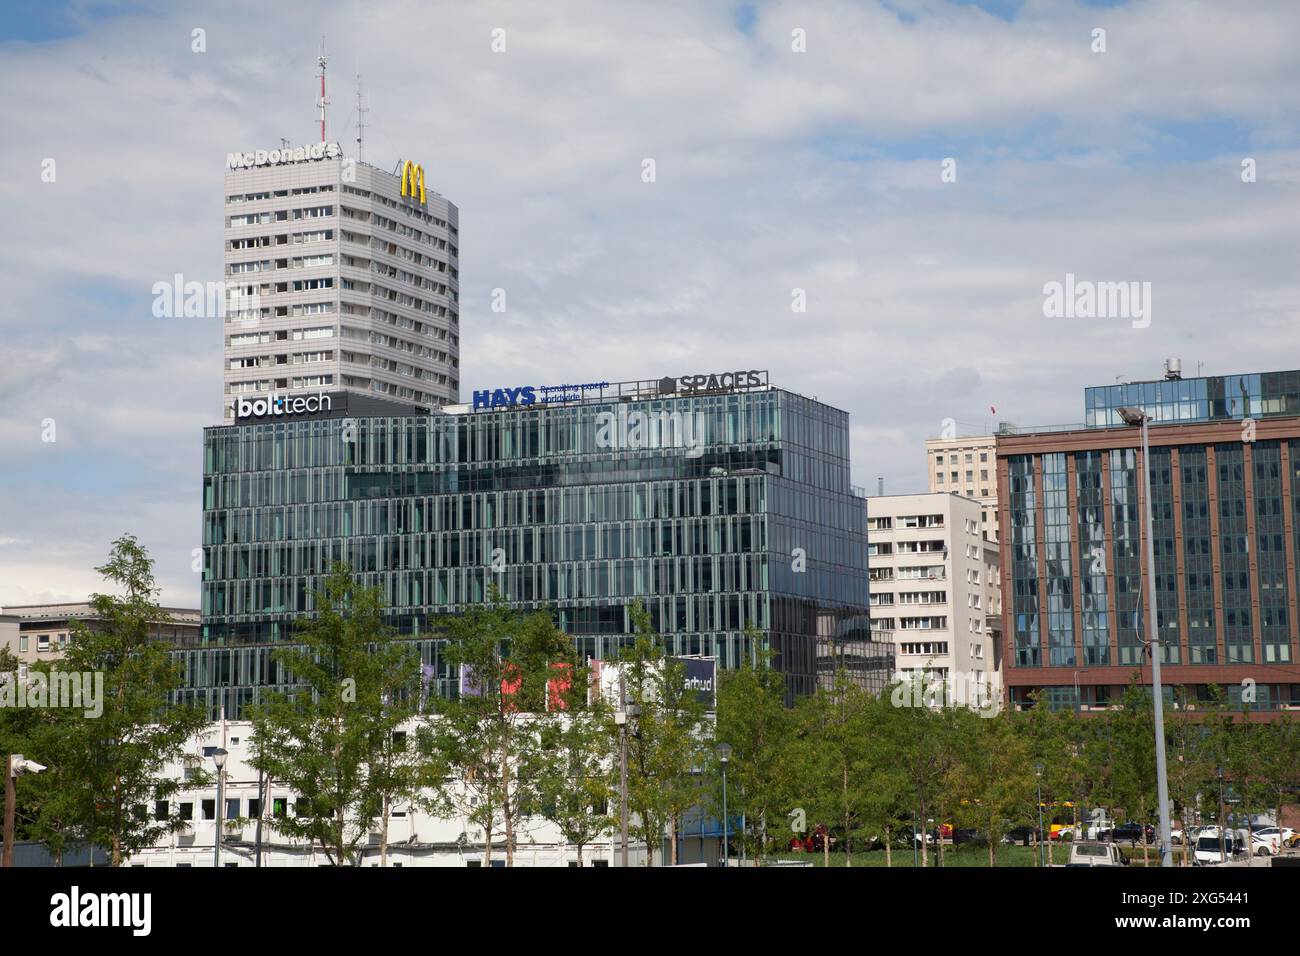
[1214,398]
[1225,505]
[720,509]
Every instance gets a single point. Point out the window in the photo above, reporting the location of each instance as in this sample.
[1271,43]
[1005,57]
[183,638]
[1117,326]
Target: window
[23,641]
[42,642]
[187,811]
[160,809]
[208,809]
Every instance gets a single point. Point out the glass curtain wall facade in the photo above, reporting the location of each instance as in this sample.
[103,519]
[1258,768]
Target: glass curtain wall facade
[1210,399]
[1226,540]
[720,512]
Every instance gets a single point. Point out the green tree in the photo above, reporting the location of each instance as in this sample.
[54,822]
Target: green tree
[106,770]
[993,780]
[573,775]
[1272,750]
[332,740]
[668,742]
[511,665]
[1190,764]
[913,732]
[1135,767]
[1054,740]
[753,719]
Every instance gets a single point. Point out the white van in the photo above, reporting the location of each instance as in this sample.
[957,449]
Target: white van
[1209,851]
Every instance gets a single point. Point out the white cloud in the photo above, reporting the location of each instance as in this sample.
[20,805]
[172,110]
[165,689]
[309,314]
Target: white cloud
[775,170]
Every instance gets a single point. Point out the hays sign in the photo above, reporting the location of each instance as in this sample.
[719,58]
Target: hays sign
[504,397]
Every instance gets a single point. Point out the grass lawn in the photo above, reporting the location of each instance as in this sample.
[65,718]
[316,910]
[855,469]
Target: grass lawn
[960,856]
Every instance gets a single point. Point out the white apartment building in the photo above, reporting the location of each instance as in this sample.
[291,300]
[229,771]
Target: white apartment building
[936,592]
[967,466]
[339,277]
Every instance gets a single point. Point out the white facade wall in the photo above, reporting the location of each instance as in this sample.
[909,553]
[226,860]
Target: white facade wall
[415,838]
[967,467]
[934,587]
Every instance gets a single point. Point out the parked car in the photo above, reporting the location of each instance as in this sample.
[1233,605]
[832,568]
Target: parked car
[812,842]
[1020,836]
[1092,853]
[1133,833]
[1268,841]
[935,834]
[1210,852]
[1178,835]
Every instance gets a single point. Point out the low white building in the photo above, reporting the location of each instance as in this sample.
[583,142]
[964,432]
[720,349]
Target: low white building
[936,592]
[414,838]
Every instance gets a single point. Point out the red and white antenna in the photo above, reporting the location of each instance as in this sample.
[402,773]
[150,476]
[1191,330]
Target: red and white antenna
[322,102]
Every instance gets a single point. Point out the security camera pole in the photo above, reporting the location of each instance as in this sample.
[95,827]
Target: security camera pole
[14,765]
[1137,416]
[10,799]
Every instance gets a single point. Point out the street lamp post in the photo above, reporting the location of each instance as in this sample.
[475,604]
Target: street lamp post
[1038,786]
[1136,416]
[1222,852]
[724,755]
[626,712]
[219,758]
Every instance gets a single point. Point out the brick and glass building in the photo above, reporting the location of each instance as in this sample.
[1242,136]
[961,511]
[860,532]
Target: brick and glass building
[1225,489]
[720,505]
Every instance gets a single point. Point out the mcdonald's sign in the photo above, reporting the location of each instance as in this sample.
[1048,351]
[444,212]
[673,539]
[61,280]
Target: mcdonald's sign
[412,179]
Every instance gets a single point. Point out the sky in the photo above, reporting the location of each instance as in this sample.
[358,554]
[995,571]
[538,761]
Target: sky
[915,171]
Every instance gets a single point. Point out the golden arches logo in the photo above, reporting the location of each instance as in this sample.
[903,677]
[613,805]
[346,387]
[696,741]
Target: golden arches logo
[413,179]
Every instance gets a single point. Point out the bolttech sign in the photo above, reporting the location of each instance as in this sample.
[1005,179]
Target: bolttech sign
[276,405]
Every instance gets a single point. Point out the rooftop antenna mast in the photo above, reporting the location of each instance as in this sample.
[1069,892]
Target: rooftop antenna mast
[323,102]
[361,119]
